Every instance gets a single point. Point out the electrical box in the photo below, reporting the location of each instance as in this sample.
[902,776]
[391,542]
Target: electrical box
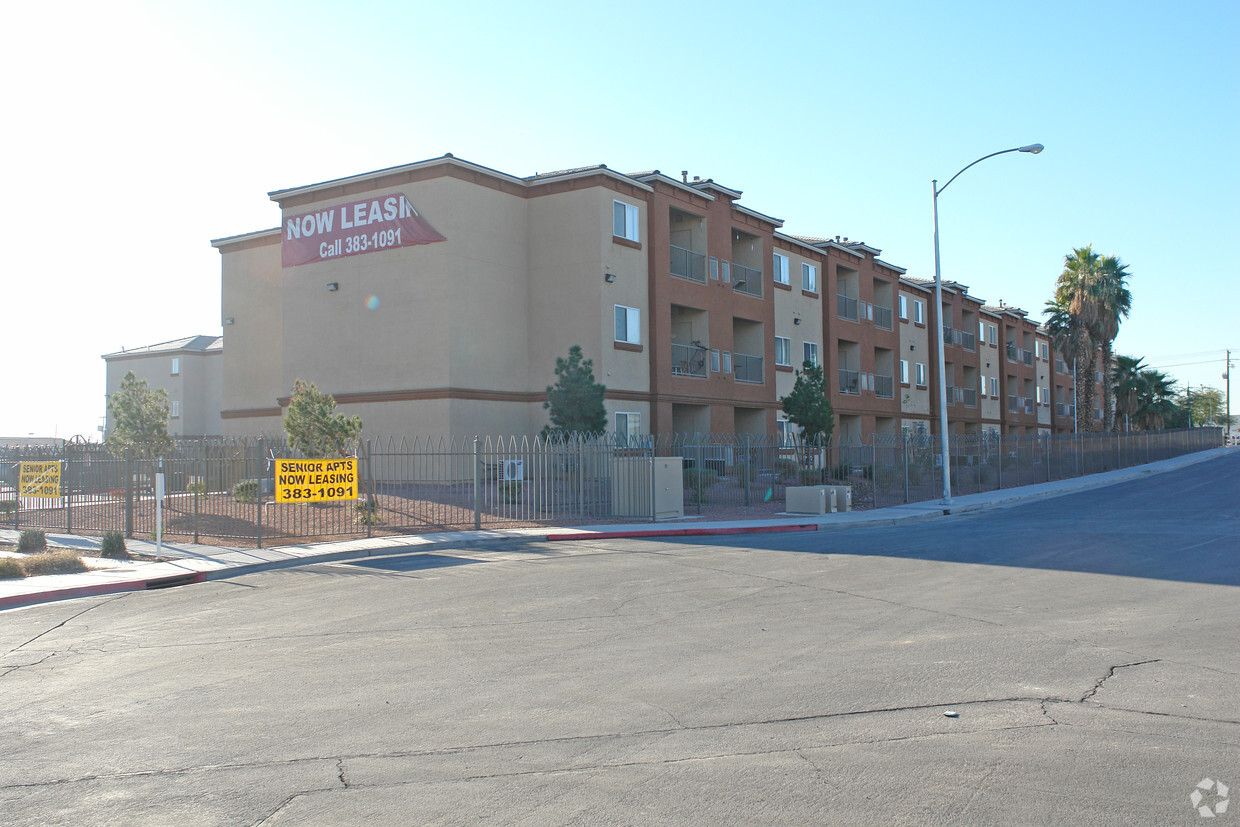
[632,494]
[809,499]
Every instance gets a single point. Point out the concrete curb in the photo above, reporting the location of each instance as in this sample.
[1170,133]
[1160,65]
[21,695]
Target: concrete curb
[391,547]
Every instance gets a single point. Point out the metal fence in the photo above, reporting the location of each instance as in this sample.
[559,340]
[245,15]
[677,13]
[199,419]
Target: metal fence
[221,490]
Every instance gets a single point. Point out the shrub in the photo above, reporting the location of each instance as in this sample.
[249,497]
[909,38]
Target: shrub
[786,466]
[8,508]
[841,471]
[196,488]
[700,477]
[368,513]
[32,539]
[11,568]
[245,491]
[63,561]
[511,491]
[740,472]
[810,476]
[113,546]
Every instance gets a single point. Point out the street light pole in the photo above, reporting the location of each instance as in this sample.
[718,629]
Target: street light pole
[1032,149]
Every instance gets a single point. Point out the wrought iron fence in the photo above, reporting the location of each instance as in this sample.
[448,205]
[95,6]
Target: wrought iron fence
[221,490]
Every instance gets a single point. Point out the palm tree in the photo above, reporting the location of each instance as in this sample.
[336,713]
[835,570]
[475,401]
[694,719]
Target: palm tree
[1078,293]
[1126,379]
[1114,301]
[1157,399]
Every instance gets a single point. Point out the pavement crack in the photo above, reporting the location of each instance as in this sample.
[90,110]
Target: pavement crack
[1047,712]
[340,767]
[1110,674]
[11,669]
[66,620]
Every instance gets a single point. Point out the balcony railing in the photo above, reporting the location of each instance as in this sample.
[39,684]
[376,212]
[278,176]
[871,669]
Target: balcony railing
[882,317]
[1061,366]
[688,264]
[1028,404]
[747,368]
[1062,409]
[847,308]
[884,386]
[850,381]
[688,360]
[968,396]
[1013,405]
[746,280]
[1026,356]
[947,335]
[1011,352]
[966,340]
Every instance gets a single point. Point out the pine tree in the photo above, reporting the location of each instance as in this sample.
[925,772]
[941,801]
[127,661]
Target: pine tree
[575,400]
[139,418]
[312,428]
[808,406]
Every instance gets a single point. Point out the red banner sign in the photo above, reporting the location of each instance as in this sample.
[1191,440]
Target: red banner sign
[380,223]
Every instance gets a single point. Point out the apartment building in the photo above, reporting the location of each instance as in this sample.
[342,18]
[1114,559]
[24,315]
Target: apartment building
[434,298]
[188,370]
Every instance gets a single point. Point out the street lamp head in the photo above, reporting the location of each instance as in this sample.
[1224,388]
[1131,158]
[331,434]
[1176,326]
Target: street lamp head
[1032,149]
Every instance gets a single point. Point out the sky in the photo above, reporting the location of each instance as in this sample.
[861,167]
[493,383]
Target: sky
[137,131]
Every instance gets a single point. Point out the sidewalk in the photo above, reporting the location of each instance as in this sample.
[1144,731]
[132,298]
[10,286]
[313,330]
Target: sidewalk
[188,563]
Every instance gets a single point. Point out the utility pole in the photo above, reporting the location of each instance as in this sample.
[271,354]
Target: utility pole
[1227,376]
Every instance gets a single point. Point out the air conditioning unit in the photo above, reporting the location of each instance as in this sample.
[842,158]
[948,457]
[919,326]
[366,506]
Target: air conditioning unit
[513,470]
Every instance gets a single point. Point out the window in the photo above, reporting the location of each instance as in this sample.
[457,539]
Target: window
[714,360]
[628,324]
[727,361]
[982,392]
[727,272]
[981,332]
[904,307]
[628,427]
[714,268]
[994,386]
[783,429]
[903,371]
[921,374]
[624,221]
[993,333]
[175,408]
[919,311]
[176,365]
[809,277]
[811,352]
[783,350]
[781,269]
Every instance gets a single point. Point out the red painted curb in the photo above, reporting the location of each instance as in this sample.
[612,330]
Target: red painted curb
[16,600]
[677,532]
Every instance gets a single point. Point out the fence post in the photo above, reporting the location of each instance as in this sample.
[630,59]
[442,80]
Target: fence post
[581,480]
[653,509]
[200,485]
[258,524]
[746,471]
[477,493]
[372,502]
[68,484]
[904,443]
[129,493]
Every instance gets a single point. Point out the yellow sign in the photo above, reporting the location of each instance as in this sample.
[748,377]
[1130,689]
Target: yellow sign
[40,479]
[316,480]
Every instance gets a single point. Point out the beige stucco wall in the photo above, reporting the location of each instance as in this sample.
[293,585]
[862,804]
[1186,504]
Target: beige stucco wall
[196,387]
[914,348]
[990,366]
[251,285]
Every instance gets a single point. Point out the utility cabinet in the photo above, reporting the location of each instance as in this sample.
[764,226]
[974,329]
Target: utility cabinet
[648,488]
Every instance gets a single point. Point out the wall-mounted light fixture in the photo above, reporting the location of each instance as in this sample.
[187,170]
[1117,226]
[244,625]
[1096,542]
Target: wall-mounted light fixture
[796,321]
[610,278]
[333,286]
[229,320]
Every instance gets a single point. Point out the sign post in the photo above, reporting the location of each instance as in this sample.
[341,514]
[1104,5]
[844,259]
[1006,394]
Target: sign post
[159,513]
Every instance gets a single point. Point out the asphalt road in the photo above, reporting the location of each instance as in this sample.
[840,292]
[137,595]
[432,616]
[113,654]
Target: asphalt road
[1088,644]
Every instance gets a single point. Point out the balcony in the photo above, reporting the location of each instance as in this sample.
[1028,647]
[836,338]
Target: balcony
[687,264]
[747,368]
[948,338]
[1061,366]
[966,340]
[1028,404]
[847,308]
[850,381]
[1026,356]
[882,317]
[1062,409]
[689,360]
[746,280]
[968,396]
[1011,352]
[884,386]
[1013,404]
